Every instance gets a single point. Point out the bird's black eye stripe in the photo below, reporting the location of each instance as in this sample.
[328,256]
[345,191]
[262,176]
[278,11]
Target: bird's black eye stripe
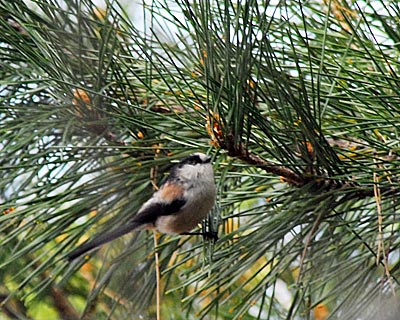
[192,159]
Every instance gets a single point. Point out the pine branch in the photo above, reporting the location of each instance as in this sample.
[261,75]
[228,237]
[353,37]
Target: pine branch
[241,152]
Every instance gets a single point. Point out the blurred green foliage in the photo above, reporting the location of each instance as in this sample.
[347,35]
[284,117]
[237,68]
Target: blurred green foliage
[296,101]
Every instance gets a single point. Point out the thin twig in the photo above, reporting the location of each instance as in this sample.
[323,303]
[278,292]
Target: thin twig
[381,242]
[308,240]
[377,196]
[158,278]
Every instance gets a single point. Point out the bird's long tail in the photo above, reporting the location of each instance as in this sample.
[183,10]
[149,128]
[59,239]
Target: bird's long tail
[102,239]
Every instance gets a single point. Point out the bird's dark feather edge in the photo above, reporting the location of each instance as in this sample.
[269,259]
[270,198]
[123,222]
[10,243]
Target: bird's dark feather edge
[150,214]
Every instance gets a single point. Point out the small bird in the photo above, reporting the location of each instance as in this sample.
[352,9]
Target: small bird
[184,200]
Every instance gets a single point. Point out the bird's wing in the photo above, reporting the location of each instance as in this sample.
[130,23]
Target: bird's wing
[168,200]
[150,214]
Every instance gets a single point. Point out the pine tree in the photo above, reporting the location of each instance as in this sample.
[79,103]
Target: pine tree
[296,101]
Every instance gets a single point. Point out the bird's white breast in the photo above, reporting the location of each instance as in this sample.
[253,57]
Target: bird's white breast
[200,194]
